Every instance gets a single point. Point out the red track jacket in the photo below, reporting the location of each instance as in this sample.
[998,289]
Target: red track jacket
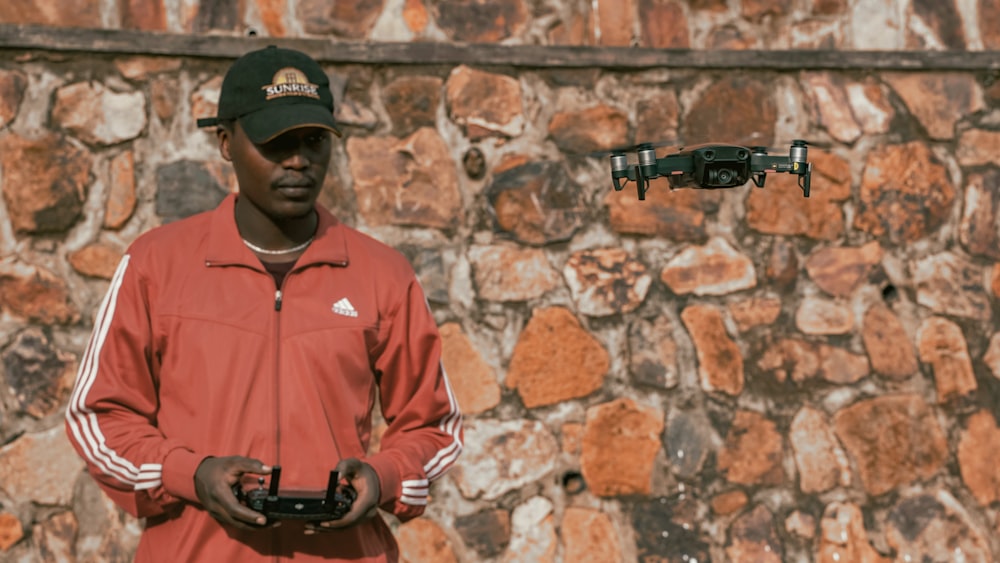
[195,353]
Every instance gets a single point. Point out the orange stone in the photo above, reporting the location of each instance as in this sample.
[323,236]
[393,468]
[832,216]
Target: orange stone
[889,348]
[729,502]
[473,380]
[555,359]
[620,443]
[11,531]
[589,535]
[977,450]
[422,539]
[752,453]
[96,260]
[720,362]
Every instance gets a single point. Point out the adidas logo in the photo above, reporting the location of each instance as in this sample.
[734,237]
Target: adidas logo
[344,307]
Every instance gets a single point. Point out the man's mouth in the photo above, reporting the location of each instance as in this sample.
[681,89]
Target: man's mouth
[295,190]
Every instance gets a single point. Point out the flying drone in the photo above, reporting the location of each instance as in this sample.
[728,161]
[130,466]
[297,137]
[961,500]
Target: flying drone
[709,166]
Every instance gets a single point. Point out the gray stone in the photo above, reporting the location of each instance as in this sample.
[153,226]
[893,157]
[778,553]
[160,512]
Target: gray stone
[690,440]
[501,456]
[184,188]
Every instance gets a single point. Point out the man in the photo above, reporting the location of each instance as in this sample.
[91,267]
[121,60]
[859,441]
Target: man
[261,333]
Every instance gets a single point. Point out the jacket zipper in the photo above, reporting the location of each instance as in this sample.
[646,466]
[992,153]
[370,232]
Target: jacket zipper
[277,391]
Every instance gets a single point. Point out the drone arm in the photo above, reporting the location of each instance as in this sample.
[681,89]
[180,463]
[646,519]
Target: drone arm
[765,163]
[675,164]
[760,164]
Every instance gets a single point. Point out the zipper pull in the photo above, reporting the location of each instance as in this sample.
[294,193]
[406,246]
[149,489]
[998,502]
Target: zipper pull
[277,300]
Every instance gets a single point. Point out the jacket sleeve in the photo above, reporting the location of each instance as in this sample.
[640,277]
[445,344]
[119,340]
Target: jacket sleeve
[424,434]
[111,417]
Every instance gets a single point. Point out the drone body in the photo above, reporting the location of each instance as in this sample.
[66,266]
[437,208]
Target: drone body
[710,166]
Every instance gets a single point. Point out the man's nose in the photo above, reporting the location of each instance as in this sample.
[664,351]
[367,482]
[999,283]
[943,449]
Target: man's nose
[296,157]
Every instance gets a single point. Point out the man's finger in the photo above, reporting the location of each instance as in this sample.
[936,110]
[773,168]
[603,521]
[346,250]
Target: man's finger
[238,512]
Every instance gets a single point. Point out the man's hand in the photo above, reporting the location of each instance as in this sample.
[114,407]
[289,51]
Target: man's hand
[362,477]
[213,482]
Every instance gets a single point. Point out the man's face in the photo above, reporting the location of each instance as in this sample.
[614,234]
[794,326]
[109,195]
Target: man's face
[282,177]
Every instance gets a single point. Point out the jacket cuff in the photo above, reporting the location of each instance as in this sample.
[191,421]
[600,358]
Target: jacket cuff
[178,473]
[388,476]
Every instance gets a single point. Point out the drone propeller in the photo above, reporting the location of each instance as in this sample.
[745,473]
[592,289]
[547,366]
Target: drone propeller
[632,148]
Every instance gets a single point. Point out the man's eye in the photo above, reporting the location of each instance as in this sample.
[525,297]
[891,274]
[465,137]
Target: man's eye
[316,139]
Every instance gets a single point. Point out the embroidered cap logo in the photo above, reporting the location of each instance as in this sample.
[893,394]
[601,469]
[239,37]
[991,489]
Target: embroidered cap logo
[290,81]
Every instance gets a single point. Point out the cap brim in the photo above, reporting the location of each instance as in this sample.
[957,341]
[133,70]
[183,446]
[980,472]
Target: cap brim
[266,124]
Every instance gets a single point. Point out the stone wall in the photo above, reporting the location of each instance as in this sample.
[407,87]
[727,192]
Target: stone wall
[735,375]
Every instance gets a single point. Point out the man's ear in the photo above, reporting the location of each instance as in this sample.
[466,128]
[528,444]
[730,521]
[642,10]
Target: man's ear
[224,136]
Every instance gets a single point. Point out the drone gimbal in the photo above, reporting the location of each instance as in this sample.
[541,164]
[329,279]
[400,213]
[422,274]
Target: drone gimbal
[709,166]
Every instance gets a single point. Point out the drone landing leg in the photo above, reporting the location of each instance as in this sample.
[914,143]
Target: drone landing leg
[641,183]
[758,179]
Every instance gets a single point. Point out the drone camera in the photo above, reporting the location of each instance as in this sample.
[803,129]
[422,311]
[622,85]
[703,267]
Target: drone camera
[716,166]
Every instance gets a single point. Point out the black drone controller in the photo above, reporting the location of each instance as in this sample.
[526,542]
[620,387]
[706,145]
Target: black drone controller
[318,506]
[710,166]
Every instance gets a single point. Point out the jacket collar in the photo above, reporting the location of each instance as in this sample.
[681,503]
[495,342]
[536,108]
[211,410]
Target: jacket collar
[225,246]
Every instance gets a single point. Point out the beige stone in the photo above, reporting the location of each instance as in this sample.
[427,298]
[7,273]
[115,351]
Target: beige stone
[753,537]
[99,115]
[40,467]
[978,147]
[979,230]
[713,269]
[533,533]
[950,283]
[485,103]
[843,537]
[606,281]
[938,100]
[750,116]
[409,181]
[755,312]
[596,128]
[44,182]
[824,317]
[831,105]
[143,67]
[821,462]
[839,270]
[35,294]
[906,193]
[673,214]
[12,85]
[799,361]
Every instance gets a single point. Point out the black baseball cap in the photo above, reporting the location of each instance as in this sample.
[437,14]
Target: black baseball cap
[273,90]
